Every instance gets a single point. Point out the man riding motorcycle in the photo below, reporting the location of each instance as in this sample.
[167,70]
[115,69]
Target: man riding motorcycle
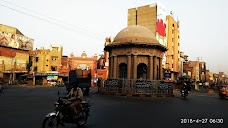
[74,99]
[186,88]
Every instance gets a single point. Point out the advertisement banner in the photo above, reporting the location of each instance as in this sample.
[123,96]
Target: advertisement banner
[16,41]
[161,27]
[52,77]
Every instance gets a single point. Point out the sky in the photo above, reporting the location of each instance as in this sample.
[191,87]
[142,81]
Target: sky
[83,25]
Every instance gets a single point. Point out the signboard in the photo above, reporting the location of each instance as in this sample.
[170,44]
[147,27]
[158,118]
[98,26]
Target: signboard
[167,75]
[47,74]
[142,84]
[52,72]
[112,82]
[161,28]
[16,41]
[52,77]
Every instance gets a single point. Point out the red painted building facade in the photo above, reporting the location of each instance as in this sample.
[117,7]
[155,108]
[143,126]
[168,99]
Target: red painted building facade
[84,62]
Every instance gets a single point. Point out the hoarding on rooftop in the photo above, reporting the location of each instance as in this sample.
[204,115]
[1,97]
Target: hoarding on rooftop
[16,41]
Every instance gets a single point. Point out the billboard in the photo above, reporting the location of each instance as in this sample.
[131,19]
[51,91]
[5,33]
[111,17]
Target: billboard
[16,41]
[161,27]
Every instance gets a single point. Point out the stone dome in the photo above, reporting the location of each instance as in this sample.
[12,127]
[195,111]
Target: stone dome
[135,34]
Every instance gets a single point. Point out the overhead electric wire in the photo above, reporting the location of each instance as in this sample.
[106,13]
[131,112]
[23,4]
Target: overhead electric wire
[82,31]
[52,18]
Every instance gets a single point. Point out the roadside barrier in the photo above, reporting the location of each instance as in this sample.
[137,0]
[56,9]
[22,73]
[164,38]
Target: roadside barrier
[138,87]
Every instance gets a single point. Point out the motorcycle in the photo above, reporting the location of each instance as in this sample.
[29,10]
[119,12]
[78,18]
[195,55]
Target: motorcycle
[223,91]
[184,93]
[62,114]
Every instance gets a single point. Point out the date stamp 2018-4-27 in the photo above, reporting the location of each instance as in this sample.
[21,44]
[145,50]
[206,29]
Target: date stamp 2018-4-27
[202,121]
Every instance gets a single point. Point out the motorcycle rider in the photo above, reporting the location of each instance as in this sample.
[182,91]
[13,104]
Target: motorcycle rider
[186,88]
[74,99]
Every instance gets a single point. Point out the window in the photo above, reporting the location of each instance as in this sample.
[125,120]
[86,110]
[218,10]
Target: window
[53,68]
[54,58]
[47,59]
[46,65]
[37,59]
[35,69]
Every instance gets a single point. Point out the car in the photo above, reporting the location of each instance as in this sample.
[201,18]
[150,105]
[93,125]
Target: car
[223,91]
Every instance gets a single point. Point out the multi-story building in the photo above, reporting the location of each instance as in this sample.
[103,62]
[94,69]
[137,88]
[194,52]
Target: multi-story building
[182,61]
[221,78]
[102,69]
[197,71]
[153,17]
[191,68]
[9,29]
[195,74]
[12,63]
[209,77]
[173,58]
[202,72]
[216,78]
[103,61]
[49,64]
[45,60]
[64,67]
[14,53]
[166,30]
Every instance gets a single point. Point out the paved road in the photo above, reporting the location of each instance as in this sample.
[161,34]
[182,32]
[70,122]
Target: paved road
[26,107]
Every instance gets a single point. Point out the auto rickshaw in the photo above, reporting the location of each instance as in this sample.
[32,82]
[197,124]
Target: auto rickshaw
[223,91]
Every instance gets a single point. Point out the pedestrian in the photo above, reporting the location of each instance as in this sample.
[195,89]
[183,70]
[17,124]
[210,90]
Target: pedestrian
[98,84]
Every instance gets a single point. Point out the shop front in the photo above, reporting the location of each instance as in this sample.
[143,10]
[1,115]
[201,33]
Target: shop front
[49,78]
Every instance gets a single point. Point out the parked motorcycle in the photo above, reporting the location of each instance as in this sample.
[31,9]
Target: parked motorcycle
[62,114]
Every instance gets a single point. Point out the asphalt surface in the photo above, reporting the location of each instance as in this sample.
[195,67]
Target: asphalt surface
[26,107]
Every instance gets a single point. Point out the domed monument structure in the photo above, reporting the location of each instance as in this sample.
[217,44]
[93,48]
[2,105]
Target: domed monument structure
[135,53]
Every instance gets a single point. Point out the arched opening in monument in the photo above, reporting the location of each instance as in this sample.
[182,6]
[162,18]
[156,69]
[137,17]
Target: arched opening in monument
[142,71]
[123,71]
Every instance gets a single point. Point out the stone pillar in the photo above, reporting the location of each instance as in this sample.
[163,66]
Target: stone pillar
[115,68]
[155,67]
[110,67]
[161,68]
[135,67]
[151,68]
[129,67]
